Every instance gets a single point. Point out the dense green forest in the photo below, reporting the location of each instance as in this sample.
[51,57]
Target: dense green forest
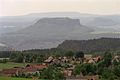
[93,45]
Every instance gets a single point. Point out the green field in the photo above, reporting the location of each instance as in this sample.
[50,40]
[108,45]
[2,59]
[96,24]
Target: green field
[10,65]
[9,78]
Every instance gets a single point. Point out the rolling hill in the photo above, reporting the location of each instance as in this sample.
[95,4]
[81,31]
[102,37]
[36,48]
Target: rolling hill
[92,45]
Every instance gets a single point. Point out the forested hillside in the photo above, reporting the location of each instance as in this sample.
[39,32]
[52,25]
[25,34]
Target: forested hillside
[102,44]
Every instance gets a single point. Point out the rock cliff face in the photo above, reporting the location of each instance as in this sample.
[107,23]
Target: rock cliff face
[46,33]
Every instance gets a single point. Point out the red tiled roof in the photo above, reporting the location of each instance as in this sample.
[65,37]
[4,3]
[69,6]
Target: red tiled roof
[40,66]
[29,69]
[9,71]
[37,66]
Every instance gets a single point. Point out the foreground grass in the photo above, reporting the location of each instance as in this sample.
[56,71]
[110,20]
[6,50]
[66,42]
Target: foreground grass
[10,65]
[11,78]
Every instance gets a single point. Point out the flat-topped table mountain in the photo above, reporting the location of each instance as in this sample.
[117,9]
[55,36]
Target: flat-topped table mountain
[45,33]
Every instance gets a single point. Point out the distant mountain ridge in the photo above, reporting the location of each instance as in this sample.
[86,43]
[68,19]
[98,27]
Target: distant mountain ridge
[97,22]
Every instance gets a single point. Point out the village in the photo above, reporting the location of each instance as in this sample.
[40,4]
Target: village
[68,67]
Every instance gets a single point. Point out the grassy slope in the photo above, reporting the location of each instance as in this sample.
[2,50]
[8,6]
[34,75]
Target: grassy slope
[9,78]
[10,65]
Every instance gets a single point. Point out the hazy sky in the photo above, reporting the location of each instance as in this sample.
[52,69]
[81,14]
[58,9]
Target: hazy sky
[21,7]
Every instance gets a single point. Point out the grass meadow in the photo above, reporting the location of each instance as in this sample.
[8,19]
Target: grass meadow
[10,65]
[12,78]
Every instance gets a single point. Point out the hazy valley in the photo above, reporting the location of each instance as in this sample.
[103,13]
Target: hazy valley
[47,30]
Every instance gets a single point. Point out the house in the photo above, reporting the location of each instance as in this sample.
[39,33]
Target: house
[93,77]
[10,72]
[36,66]
[64,59]
[116,58]
[32,68]
[88,56]
[67,73]
[91,61]
[29,70]
[49,60]
[97,59]
[56,61]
